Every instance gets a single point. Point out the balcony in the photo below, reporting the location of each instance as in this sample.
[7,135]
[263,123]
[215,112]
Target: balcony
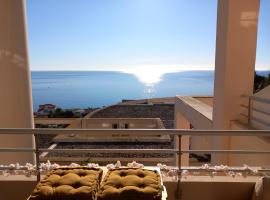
[182,182]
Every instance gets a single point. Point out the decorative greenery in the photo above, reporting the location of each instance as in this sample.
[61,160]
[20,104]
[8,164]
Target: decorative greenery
[260,82]
[60,113]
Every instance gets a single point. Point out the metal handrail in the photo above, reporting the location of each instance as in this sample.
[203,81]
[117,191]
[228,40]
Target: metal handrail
[133,132]
[250,108]
[260,99]
[260,111]
[256,98]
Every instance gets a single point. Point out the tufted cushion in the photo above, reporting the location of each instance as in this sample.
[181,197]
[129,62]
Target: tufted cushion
[68,184]
[130,184]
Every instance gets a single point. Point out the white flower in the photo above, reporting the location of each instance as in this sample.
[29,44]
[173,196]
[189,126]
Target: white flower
[11,166]
[134,164]
[110,166]
[140,165]
[162,166]
[185,172]
[224,167]
[220,167]
[245,167]
[30,167]
[205,166]
[118,164]
[254,170]
[54,166]
[17,166]
[74,165]
[93,165]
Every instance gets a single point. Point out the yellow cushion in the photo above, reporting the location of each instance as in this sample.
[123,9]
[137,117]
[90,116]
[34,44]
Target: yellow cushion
[130,184]
[68,183]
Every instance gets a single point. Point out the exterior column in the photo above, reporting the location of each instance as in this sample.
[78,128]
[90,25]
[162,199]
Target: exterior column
[237,25]
[181,123]
[15,86]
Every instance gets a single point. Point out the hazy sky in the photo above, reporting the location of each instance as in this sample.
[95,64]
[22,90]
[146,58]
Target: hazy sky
[126,34]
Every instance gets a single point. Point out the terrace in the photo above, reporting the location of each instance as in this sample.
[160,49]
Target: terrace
[232,127]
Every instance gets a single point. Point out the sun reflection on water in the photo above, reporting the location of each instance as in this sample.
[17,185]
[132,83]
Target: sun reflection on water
[147,75]
[151,75]
[149,90]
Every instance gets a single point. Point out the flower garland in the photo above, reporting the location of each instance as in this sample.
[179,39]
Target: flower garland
[29,169]
[212,171]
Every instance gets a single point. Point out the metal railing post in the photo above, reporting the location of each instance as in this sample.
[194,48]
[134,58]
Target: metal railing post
[179,152]
[37,152]
[175,146]
[179,171]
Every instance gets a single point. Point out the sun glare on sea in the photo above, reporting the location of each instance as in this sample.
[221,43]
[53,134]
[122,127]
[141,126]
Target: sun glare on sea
[148,75]
[151,75]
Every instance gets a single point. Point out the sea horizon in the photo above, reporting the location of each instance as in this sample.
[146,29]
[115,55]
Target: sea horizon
[83,89]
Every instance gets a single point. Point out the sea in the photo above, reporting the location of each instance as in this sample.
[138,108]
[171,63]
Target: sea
[92,89]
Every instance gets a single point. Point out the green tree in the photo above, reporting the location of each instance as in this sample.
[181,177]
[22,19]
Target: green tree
[260,82]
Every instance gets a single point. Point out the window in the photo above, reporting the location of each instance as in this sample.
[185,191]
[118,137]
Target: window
[115,126]
[126,126]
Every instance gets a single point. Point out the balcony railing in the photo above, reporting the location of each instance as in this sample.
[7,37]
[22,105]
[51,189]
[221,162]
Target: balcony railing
[251,109]
[133,133]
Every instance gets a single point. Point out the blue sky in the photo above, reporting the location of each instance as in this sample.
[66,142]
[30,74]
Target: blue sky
[129,34]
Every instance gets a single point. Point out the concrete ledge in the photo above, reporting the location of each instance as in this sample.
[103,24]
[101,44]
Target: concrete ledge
[196,112]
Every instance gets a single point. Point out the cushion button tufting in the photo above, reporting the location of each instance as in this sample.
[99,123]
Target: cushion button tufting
[119,186]
[77,185]
[141,186]
[141,175]
[55,185]
[123,174]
